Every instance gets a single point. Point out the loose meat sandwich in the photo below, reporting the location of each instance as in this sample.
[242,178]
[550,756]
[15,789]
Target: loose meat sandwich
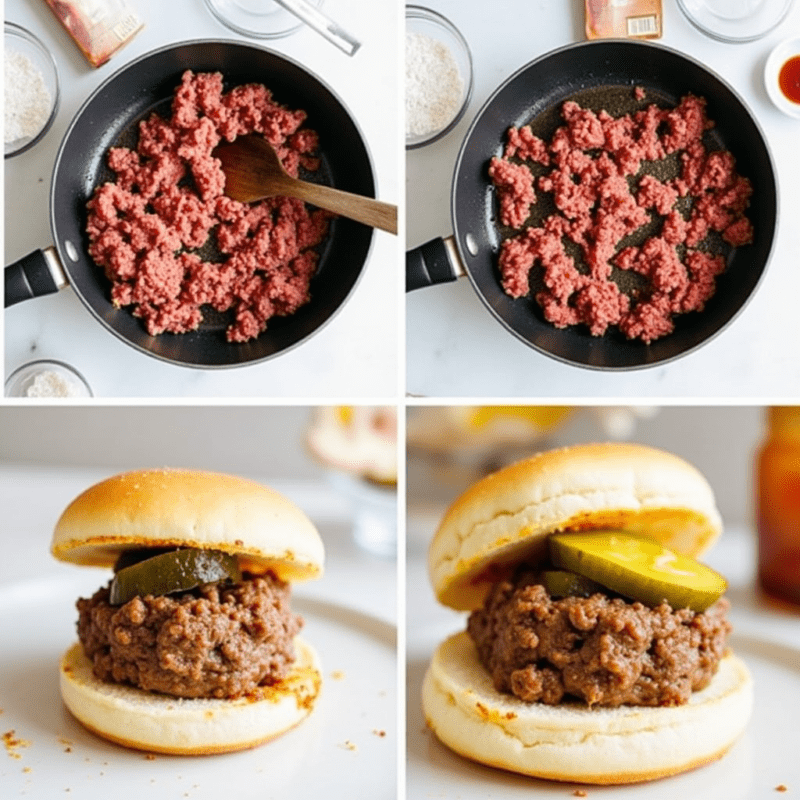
[595,650]
[192,646]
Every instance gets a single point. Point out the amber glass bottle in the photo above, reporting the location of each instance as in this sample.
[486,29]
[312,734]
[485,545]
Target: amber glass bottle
[778,505]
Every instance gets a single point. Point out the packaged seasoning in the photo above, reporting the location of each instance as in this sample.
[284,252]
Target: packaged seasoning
[98,27]
[626,19]
[778,505]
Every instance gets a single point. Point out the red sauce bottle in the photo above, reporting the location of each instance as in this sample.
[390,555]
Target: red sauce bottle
[789,79]
[778,505]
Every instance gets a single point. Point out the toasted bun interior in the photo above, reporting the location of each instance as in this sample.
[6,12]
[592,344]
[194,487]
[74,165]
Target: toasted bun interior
[189,508]
[162,724]
[571,742]
[507,516]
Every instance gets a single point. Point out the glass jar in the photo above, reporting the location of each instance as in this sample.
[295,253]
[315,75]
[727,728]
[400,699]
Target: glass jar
[778,505]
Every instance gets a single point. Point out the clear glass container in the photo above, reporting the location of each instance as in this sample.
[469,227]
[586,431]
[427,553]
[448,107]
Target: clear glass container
[374,510]
[261,19]
[778,505]
[20,42]
[434,26]
[47,379]
[735,20]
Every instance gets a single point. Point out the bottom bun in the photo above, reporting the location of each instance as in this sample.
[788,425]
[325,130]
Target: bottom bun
[571,742]
[160,723]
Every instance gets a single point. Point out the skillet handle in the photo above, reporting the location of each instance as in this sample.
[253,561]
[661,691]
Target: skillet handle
[431,263]
[34,275]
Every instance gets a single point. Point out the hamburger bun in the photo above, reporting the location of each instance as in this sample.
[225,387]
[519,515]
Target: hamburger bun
[572,742]
[507,516]
[163,724]
[189,508]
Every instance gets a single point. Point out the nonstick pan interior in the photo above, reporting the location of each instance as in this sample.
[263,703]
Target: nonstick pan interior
[604,75]
[110,117]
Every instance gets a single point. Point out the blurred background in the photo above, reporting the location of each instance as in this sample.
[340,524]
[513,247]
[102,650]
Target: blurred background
[242,439]
[449,447]
[340,463]
[337,463]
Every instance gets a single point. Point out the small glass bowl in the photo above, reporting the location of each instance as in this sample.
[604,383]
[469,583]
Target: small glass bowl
[432,24]
[22,41]
[47,379]
[374,510]
[261,19]
[735,21]
[787,49]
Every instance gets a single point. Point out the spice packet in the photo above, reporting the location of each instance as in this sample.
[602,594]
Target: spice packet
[626,19]
[98,27]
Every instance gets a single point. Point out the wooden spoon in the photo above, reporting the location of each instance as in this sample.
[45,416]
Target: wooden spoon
[253,171]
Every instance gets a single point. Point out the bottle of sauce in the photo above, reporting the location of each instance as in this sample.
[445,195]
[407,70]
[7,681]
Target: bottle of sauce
[778,505]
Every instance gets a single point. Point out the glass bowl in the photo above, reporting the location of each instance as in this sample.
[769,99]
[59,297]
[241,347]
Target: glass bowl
[26,52]
[261,19]
[47,378]
[422,22]
[374,510]
[789,48]
[735,20]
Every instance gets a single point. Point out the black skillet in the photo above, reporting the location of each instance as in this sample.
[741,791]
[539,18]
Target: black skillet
[599,75]
[111,116]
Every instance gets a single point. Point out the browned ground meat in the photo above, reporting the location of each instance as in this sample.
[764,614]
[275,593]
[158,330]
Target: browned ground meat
[606,651]
[219,641]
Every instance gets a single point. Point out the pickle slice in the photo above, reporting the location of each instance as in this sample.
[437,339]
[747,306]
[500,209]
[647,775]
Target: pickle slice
[638,567]
[127,558]
[175,571]
[560,583]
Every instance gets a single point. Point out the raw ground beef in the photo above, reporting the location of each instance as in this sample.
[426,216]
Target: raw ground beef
[592,167]
[603,651]
[167,202]
[218,641]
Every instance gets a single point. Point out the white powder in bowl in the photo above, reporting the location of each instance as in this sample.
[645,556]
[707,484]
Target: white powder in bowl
[27,98]
[50,384]
[434,86]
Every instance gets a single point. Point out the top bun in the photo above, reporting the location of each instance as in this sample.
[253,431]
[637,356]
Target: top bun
[507,516]
[187,508]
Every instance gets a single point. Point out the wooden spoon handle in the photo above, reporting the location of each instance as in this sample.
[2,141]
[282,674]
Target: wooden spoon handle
[353,206]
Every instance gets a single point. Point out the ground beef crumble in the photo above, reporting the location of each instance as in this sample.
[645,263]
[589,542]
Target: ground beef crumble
[222,640]
[592,166]
[604,651]
[149,227]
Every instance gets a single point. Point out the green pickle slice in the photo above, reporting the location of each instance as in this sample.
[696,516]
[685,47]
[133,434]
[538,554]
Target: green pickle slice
[174,571]
[127,558]
[560,583]
[637,567]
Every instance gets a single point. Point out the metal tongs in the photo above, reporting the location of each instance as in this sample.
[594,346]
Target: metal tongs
[322,24]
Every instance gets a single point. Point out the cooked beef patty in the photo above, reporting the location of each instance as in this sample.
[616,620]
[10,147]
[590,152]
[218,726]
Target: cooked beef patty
[603,650]
[220,640]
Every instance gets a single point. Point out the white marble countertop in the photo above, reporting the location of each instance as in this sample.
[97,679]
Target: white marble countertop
[340,360]
[33,497]
[455,348]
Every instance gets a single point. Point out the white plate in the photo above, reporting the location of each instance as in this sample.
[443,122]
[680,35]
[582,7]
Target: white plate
[765,758]
[346,748]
